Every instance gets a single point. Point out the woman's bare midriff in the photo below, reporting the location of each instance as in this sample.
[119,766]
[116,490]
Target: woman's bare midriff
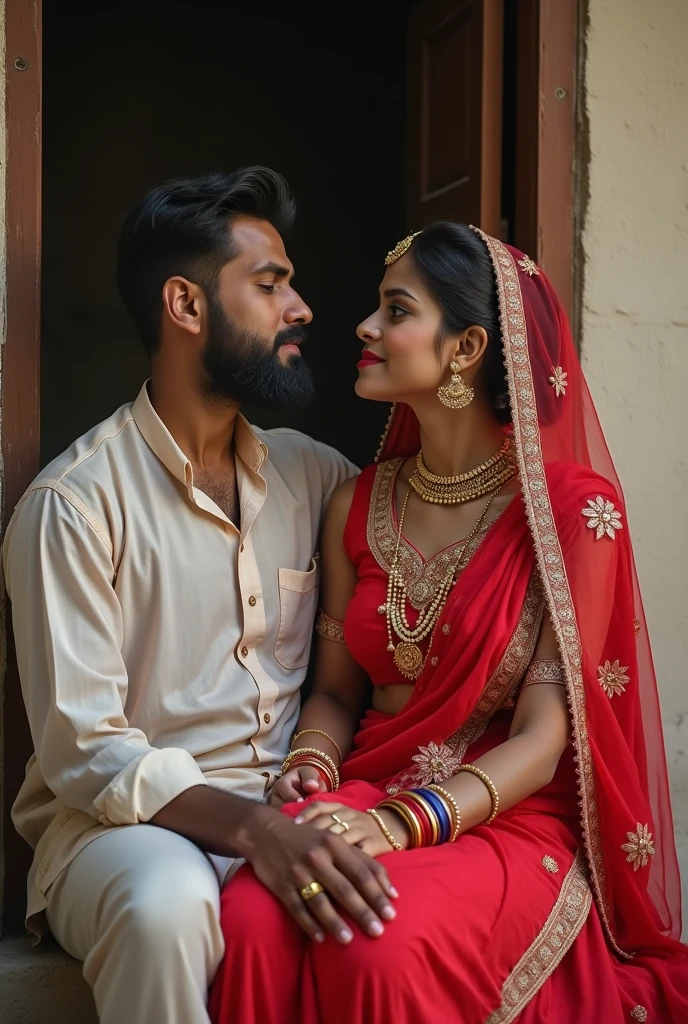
[391,699]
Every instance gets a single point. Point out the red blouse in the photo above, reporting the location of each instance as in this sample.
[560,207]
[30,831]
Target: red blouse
[370,540]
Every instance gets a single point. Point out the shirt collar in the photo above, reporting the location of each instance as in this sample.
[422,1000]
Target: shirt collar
[247,446]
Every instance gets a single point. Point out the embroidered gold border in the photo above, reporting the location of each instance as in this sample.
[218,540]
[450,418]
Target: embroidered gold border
[385,433]
[501,685]
[421,578]
[543,956]
[331,629]
[548,550]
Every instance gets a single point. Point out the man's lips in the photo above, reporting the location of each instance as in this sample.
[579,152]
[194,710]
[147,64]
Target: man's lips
[369,359]
[290,348]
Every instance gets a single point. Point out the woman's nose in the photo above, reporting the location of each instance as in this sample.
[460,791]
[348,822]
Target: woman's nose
[367,331]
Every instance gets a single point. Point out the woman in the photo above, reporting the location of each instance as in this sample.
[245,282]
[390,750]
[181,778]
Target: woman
[482,578]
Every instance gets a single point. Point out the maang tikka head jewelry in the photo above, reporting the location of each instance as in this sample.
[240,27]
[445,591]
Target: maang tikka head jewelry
[399,249]
[456,394]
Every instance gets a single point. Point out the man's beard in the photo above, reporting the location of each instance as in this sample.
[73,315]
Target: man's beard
[240,368]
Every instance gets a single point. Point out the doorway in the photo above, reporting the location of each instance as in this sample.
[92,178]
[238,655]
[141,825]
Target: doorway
[335,100]
[127,104]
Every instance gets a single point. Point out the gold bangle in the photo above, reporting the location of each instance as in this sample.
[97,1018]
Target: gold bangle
[319,755]
[319,733]
[487,781]
[453,806]
[411,794]
[385,831]
[407,815]
[321,768]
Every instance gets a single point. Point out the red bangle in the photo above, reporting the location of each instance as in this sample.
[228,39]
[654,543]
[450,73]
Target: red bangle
[306,761]
[418,810]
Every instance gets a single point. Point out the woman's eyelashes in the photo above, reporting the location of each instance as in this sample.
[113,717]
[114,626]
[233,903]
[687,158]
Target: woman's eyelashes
[268,288]
[396,310]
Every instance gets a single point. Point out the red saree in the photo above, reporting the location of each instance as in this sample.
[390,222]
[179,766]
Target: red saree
[566,908]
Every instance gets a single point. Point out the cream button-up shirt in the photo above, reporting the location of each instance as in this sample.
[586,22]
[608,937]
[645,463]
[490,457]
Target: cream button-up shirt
[159,646]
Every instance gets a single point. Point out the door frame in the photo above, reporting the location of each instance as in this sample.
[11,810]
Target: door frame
[545,194]
[20,395]
[547,86]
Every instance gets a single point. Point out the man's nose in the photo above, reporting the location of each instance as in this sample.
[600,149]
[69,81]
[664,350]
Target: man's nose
[297,312]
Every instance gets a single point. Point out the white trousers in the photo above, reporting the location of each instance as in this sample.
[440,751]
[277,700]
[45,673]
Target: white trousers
[140,908]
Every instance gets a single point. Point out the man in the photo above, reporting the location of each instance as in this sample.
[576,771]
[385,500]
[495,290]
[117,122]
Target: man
[163,588]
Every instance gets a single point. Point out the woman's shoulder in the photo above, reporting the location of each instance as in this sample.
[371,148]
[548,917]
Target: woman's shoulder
[583,500]
[570,482]
[354,492]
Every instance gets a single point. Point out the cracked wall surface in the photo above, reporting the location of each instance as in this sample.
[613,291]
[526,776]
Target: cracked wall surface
[635,318]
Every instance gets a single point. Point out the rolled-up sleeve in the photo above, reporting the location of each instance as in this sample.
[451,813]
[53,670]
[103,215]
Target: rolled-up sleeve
[67,624]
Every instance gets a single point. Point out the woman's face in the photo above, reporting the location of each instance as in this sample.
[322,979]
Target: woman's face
[400,360]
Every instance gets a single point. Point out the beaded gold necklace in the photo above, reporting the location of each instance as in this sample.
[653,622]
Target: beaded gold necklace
[408,656]
[453,490]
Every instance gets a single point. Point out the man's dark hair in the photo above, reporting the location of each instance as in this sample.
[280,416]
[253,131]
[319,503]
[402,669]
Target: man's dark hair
[454,265]
[185,227]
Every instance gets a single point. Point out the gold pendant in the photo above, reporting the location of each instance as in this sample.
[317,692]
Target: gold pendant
[409,660]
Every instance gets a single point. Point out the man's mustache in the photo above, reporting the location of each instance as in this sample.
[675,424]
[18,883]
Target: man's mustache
[295,335]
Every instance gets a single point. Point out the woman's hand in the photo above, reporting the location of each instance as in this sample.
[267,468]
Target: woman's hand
[296,784]
[356,827]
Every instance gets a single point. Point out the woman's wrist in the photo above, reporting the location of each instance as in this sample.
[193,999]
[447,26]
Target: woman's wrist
[308,737]
[312,757]
[397,827]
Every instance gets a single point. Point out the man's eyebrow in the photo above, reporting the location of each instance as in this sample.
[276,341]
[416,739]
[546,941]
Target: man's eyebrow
[389,293]
[273,268]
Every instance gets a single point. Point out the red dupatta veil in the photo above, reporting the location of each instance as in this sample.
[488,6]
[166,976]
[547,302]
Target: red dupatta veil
[591,592]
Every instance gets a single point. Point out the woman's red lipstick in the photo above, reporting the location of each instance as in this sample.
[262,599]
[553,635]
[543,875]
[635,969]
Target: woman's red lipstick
[369,359]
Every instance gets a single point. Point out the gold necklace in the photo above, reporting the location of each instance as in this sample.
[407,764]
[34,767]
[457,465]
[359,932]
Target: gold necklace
[408,656]
[453,490]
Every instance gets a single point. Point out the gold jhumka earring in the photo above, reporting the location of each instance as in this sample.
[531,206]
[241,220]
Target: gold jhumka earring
[456,394]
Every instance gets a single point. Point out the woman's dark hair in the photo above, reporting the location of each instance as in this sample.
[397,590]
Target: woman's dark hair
[455,267]
[184,227]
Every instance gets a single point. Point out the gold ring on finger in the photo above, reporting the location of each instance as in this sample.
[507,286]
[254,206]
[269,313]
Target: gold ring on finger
[311,890]
[338,821]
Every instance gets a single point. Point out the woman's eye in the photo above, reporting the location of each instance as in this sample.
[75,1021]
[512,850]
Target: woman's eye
[268,288]
[396,310]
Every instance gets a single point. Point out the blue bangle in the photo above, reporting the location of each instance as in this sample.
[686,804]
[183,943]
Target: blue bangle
[441,811]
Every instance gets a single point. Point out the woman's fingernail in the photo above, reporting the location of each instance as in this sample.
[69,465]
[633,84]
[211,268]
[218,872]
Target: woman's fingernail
[319,937]
[298,821]
[376,928]
[389,913]
[299,799]
[393,893]
[345,935]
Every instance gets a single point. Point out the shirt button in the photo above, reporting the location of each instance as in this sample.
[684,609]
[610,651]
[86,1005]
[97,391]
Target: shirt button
[241,548]
[244,652]
[266,718]
[252,601]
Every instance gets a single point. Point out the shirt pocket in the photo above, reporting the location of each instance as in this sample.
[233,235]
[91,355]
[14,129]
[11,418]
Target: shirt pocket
[298,595]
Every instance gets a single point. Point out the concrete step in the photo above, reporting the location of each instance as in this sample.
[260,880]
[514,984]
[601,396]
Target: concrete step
[42,985]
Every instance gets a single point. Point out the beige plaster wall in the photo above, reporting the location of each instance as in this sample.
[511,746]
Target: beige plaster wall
[635,317]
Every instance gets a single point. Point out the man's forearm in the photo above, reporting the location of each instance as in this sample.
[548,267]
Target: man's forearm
[216,821]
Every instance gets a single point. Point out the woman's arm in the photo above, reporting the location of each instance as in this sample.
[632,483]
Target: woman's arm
[528,760]
[519,767]
[340,685]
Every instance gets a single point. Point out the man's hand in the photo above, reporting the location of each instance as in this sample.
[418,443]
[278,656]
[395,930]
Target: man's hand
[287,857]
[296,784]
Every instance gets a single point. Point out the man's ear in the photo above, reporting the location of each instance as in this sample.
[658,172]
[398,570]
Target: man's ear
[183,304]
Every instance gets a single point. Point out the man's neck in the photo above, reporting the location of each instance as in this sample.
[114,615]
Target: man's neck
[203,428]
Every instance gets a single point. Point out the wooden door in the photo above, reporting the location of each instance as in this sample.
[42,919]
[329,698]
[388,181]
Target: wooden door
[455,112]
[20,382]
